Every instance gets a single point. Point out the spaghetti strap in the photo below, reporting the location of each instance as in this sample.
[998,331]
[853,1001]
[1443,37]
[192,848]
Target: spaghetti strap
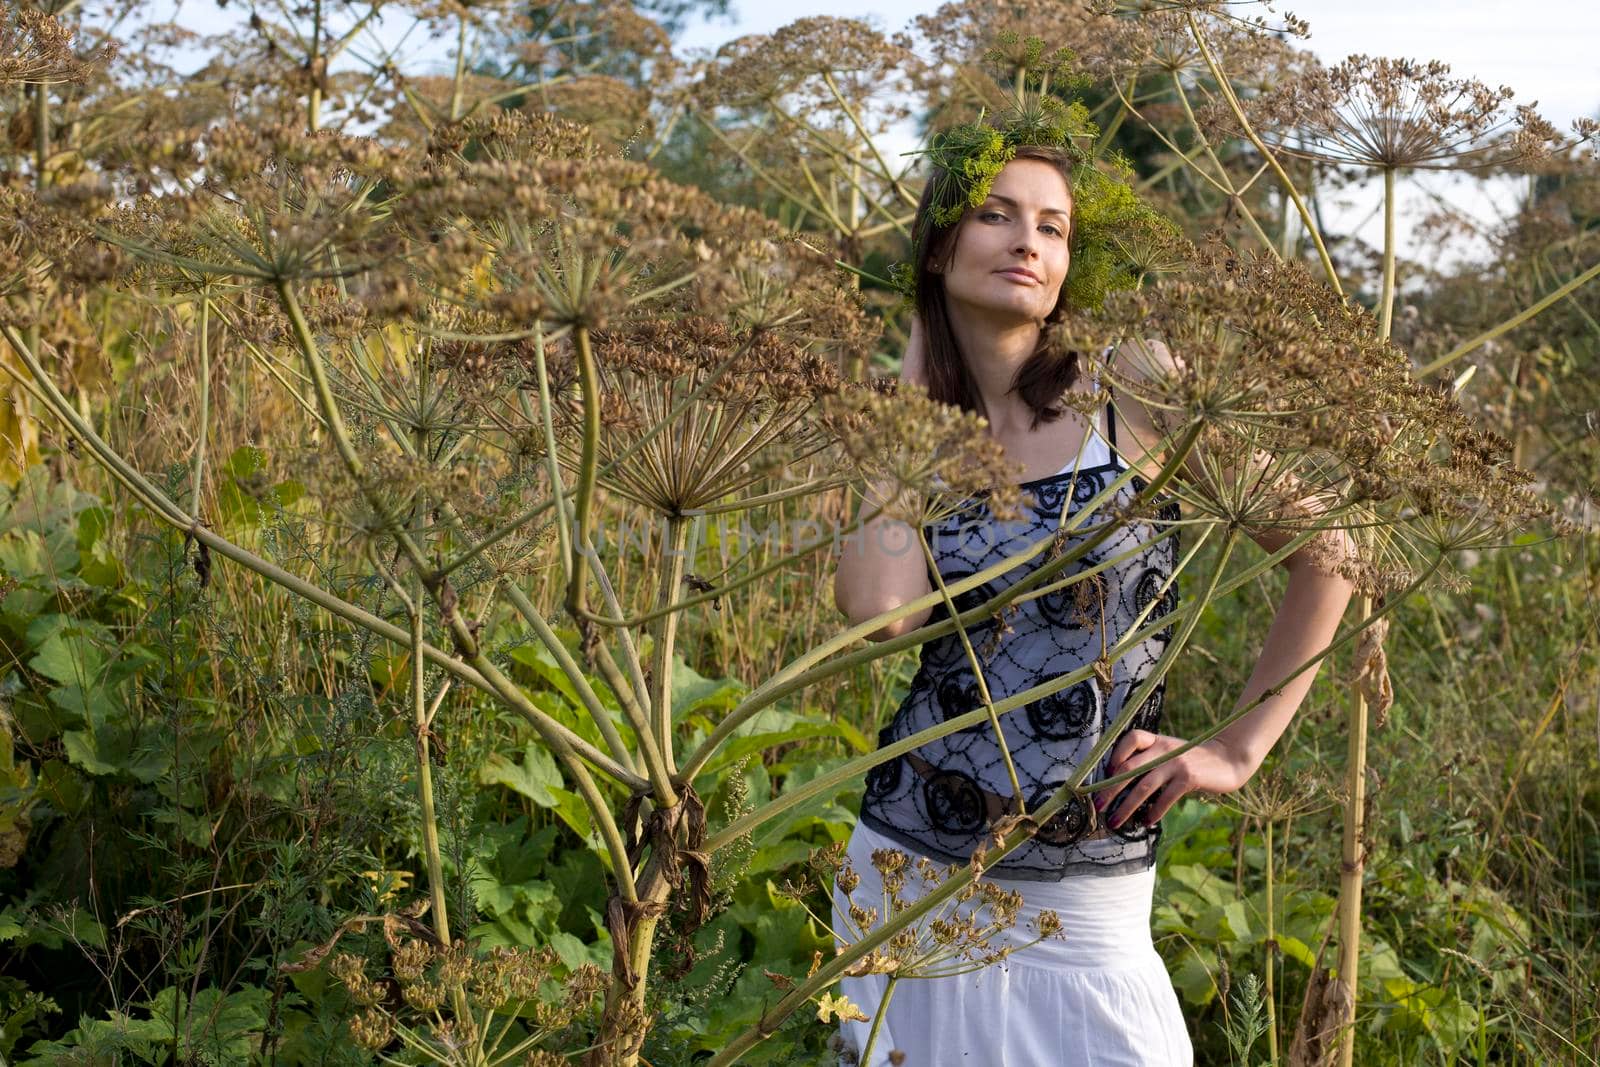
[1111,424]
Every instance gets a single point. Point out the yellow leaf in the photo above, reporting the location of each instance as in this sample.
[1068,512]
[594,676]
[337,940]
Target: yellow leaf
[840,1007]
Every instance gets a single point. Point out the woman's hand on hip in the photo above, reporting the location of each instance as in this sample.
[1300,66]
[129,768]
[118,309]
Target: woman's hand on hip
[1208,767]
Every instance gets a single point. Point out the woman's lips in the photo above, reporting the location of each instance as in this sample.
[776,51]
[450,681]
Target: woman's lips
[1020,276]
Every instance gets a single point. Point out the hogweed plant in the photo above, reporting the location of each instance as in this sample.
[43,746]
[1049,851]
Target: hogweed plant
[967,934]
[499,339]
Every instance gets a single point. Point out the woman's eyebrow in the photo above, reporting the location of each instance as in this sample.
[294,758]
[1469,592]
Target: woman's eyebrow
[1008,202]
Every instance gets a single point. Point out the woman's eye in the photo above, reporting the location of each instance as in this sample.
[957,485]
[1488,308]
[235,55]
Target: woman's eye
[1052,229]
[991,215]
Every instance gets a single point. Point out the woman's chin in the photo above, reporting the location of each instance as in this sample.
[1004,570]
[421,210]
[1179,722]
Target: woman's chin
[1019,305]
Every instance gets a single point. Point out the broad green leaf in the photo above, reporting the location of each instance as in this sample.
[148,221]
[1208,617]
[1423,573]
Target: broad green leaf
[1238,924]
[692,692]
[1193,976]
[533,777]
[575,813]
[1296,949]
[68,659]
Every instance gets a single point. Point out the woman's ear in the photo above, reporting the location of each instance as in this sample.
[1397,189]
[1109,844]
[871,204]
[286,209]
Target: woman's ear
[943,250]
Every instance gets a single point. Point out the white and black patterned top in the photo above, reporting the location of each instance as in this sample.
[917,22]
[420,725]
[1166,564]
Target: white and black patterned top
[941,799]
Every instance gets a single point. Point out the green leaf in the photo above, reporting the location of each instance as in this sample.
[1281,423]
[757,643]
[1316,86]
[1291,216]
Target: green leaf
[533,778]
[1296,949]
[571,809]
[83,752]
[246,460]
[538,659]
[68,659]
[1192,977]
[110,750]
[91,707]
[738,748]
[575,953]
[1238,924]
[692,692]
[216,1028]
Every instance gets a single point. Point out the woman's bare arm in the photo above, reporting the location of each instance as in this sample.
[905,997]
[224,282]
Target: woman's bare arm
[1305,621]
[881,565]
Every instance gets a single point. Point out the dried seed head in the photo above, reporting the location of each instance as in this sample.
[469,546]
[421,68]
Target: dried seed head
[1400,114]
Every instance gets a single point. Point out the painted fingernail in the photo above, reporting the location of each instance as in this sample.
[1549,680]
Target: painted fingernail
[1099,801]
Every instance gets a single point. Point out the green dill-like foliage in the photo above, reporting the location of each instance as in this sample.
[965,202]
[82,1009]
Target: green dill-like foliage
[1109,219]
[967,158]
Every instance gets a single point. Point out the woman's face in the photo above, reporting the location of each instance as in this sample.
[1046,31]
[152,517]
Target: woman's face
[1010,253]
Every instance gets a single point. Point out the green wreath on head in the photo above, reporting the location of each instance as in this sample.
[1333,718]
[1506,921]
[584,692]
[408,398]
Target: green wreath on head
[1113,231]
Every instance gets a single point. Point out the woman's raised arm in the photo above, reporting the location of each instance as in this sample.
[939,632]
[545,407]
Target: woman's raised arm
[881,565]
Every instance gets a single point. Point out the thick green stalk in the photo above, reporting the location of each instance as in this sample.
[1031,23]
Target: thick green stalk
[810,666]
[1136,699]
[421,721]
[41,133]
[464,638]
[1272,951]
[670,570]
[1353,846]
[1353,862]
[877,1021]
[553,466]
[459,82]
[1267,154]
[978,676]
[421,724]
[1386,297]
[1474,343]
[583,519]
[835,968]
[854,769]
[660,779]
[205,401]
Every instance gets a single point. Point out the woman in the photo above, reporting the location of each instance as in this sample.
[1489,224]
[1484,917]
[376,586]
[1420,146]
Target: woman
[987,286]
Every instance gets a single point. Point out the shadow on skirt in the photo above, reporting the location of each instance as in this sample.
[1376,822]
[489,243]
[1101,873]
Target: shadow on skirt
[1099,997]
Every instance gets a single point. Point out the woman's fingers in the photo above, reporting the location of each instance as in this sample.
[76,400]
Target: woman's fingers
[1133,750]
[1129,743]
[1140,790]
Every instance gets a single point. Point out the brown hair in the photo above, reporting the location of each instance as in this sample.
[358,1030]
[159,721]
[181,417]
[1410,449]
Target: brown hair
[1043,376]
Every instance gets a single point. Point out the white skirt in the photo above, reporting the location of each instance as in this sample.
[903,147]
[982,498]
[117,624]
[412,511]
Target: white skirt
[1098,997]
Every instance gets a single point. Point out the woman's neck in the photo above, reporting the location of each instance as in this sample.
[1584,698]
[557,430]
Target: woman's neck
[995,350]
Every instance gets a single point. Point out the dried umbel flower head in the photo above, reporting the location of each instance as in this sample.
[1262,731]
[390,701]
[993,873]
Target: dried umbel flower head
[47,241]
[754,414]
[966,933]
[36,49]
[372,1030]
[1399,114]
[524,134]
[579,242]
[803,65]
[351,971]
[983,33]
[936,456]
[1309,418]
[285,206]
